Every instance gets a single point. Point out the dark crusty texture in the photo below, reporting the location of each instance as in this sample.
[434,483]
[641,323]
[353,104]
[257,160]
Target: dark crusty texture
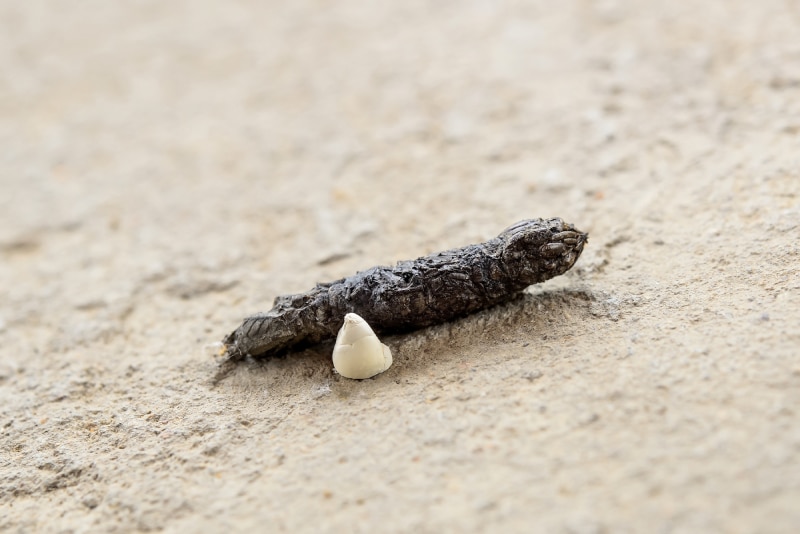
[416,293]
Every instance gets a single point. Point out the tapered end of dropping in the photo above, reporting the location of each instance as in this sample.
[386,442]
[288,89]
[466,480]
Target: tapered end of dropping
[229,345]
[233,346]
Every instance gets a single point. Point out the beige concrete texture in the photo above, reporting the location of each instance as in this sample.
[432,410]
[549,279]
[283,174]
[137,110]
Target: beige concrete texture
[168,168]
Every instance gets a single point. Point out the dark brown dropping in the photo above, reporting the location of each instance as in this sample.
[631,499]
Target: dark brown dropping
[416,293]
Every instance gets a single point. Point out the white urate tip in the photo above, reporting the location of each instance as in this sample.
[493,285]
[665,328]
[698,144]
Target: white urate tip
[358,352]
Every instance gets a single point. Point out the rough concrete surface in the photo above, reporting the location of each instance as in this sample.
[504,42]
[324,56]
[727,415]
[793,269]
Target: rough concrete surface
[170,167]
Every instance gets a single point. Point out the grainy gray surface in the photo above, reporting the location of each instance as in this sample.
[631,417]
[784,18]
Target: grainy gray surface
[168,167]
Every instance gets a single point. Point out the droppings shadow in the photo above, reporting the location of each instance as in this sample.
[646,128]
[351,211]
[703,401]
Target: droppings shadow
[542,311]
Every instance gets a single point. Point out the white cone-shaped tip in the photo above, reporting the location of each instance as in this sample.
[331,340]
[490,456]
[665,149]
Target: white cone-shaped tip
[358,352]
